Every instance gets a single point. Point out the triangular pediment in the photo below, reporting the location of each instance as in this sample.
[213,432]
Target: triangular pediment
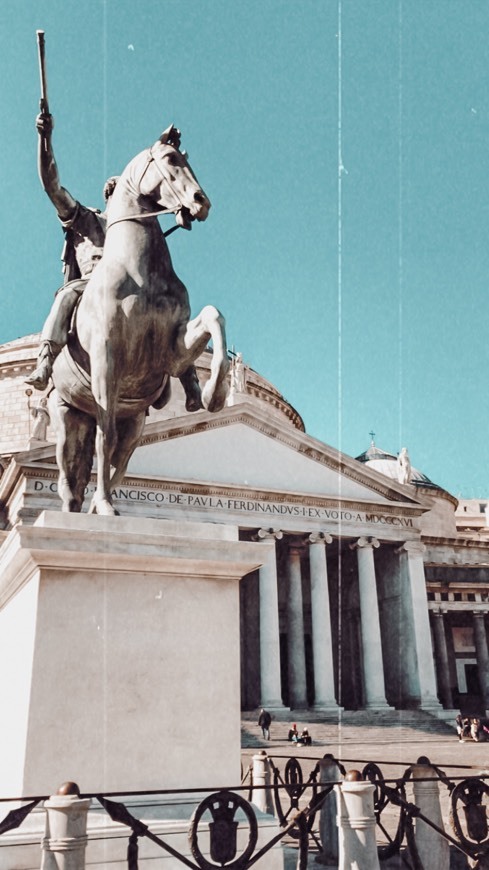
[242,446]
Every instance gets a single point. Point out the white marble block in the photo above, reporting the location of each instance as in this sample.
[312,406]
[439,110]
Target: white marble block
[119,654]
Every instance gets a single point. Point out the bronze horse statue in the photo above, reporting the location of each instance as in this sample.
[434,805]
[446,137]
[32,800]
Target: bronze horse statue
[131,330]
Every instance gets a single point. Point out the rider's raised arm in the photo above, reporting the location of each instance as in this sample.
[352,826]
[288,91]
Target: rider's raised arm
[48,171]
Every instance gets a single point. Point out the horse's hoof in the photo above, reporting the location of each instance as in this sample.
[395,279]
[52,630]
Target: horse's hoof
[214,396]
[193,403]
[103,508]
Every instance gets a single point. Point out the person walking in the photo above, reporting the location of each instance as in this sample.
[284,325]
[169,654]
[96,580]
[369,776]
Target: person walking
[264,722]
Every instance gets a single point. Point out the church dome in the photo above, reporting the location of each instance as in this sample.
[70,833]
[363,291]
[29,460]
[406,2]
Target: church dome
[386,463]
[19,402]
[439,521]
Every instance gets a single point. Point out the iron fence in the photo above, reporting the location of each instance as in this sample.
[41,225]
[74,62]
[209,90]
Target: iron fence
[299,797]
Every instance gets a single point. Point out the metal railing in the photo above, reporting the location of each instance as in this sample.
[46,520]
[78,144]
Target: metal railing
[304,804]
[215,821]
[466,797]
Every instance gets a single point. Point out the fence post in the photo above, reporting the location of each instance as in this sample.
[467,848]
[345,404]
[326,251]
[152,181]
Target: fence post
[65,839]
[433,849]
[328,825]
[356,823]
[261,776]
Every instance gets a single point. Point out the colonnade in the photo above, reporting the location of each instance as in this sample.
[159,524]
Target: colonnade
[420,682]
[439,622]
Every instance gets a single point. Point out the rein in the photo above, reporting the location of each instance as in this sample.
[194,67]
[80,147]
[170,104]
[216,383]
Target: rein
[147,214]
[137,217]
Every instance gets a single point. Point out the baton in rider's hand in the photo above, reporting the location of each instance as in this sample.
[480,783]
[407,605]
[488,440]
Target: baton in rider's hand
[44,121]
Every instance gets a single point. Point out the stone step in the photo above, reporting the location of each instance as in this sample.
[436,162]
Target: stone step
[359,718]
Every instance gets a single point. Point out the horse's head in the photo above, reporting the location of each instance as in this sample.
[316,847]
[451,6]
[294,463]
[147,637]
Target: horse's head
[170,182]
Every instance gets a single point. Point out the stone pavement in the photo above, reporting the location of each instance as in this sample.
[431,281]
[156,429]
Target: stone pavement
[394,741]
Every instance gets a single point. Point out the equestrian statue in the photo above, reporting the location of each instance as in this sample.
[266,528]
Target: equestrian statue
[120,327]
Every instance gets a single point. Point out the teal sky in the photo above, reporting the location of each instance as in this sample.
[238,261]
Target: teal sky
[387,330]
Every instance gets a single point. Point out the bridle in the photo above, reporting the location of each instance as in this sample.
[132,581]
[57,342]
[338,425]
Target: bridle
[151,158]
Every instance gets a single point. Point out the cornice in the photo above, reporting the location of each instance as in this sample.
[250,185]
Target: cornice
[277,402]
[15,367]
[453,553]
[430,492]
[460,543]
[49,472]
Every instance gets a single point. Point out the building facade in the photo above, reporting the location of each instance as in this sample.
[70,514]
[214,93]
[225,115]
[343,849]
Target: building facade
[370,594]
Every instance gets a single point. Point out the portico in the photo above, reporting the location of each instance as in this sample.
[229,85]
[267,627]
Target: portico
[337,615]
[329,607]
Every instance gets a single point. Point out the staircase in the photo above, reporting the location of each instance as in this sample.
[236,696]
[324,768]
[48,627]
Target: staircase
[352,726]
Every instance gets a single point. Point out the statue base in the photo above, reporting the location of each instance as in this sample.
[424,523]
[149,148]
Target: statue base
[119,661]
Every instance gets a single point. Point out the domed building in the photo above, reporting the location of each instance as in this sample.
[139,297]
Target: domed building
[368,596]
[456,567]
[440,519]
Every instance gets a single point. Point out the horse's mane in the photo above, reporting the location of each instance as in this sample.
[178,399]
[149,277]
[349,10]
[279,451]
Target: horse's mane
[130,178]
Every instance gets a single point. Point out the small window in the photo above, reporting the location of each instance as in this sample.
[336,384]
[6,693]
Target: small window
[471,596]
[482,508]
[457,596]
[444,596]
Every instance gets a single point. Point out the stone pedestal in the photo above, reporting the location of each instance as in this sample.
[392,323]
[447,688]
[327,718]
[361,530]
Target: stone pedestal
[119,669]
[119,654]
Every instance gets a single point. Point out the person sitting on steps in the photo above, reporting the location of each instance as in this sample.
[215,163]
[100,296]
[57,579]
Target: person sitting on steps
[293,734]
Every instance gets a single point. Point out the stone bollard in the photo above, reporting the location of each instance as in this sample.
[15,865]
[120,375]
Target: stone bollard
[433,849]
[328,826]
[356,824]
[66,830]
[262,797]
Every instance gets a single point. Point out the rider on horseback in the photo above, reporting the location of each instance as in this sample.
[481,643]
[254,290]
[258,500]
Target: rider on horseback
[85,230]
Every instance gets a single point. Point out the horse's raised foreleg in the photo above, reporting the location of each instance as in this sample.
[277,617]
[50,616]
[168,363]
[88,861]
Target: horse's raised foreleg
[75,436]
[209,324]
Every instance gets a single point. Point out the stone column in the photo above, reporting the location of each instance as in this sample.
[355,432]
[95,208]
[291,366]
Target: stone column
[322,642]
[295,629]
[373,666]
[480,638]
[411,555]
[270,682]
[442,657]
